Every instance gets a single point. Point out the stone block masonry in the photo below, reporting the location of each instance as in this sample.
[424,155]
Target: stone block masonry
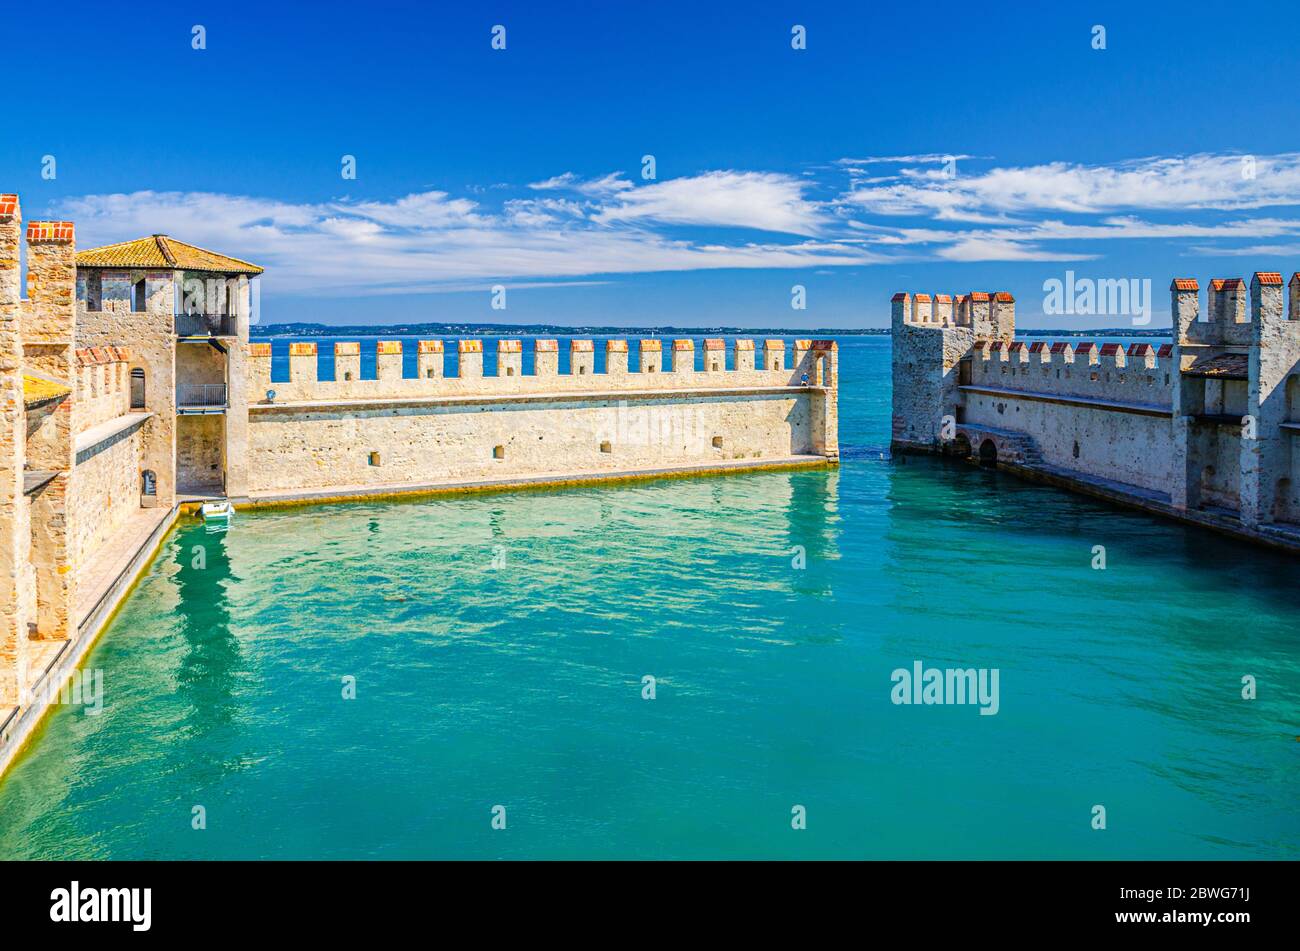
[1206,429]
[395,431]
[16,609]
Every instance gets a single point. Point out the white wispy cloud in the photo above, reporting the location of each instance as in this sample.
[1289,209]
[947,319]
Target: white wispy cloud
[902,159]
[572,228]
[555,181]
[762,201]
[1203,181]
[431,239]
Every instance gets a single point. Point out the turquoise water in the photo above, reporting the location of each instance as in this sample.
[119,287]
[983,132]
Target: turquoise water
[521,685]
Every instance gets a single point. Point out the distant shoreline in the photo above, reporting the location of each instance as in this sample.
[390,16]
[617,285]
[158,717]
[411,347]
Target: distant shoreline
[534,330]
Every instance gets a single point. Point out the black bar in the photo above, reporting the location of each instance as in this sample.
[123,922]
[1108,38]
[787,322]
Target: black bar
[972,901]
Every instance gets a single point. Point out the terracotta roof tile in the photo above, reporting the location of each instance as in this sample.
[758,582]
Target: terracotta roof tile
[160,251]
[1228,366]
[1185,284]
[1269,278]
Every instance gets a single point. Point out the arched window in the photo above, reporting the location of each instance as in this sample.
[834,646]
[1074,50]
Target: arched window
[137,388]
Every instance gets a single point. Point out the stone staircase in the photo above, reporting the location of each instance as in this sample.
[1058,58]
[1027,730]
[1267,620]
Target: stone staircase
[1014,447]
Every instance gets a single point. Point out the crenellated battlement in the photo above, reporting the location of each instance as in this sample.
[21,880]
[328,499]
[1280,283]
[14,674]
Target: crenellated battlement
[103,385]
[1236,314]
[1083,369]
[1206,427]
[988,314]
[815,359]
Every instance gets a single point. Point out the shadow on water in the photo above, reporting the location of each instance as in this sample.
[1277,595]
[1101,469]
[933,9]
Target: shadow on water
[932,490]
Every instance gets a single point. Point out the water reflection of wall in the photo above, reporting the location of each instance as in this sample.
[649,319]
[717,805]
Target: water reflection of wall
[205,676]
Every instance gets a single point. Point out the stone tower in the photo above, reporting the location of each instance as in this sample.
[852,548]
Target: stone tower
[932,337]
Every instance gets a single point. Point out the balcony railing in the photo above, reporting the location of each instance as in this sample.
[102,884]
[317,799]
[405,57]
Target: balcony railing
[201,394]
[206,325]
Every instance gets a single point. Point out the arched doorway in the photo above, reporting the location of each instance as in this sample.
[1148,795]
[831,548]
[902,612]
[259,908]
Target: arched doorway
[988,453]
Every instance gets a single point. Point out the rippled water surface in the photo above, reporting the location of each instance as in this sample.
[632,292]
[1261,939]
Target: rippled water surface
[521,684]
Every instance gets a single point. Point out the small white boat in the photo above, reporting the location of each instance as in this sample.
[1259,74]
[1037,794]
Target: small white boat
[216,511]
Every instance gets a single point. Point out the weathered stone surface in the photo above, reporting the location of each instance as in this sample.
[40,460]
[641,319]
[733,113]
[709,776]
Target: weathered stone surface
[1211,423]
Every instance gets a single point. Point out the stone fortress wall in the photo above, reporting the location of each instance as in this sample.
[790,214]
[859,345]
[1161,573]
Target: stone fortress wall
[124,396]
[1206,428]
[432,427]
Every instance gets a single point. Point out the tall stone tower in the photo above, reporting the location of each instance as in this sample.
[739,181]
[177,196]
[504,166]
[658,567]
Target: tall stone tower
[932,337]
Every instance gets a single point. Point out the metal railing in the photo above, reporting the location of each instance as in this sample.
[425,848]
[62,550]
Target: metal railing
[206,325]
[201,394]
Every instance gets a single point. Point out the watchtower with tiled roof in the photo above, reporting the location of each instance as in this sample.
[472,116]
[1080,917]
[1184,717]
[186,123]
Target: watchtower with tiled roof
[185,311]
[209,293]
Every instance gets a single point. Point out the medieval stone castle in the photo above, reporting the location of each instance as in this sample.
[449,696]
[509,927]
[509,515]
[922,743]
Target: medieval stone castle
[130,391]
[1205,429]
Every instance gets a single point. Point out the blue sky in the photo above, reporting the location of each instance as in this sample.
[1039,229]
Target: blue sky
[940,147]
